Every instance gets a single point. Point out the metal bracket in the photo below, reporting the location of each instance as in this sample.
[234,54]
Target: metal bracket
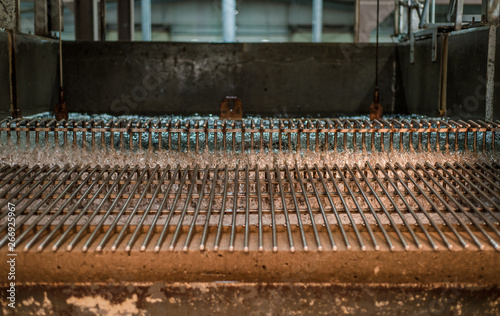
[236,113]
[423,34]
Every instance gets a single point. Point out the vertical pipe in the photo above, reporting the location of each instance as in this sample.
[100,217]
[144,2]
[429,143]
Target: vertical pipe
[228,20]
[357,20]
[95,13]
[490,72]
[146,19]
[433,11]
[459,17]
[317,20]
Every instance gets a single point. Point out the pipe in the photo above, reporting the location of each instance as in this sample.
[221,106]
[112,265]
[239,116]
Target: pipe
[146,19]
[228,20]
[356,21]
[433,11]
[490,72]
[317,20]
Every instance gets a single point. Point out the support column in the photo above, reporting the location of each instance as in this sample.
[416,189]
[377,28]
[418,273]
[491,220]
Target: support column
[228,20]
[317,20]
[125,20]
[46,16]
[9,15]
[84,20]
[146,20]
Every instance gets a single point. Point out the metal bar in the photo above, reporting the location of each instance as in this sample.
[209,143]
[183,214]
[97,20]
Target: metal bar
[113,226]
[197,211]
[325,219]
[273,214]
[308,205]
[285,209]
[73,209]
[184,209]
[164,231]
[209,211]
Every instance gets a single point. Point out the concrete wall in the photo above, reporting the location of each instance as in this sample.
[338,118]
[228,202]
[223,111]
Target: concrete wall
[4,75]
[466,84]
[467,75]
[421,79]
[186,78]
[37,74]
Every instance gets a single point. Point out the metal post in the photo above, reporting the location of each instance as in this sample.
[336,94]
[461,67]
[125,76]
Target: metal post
[459,17]
[317,20]
[102,18]
[84,24]
[95,12]
[433,11]
[42,27]
[490,72]
[356,21]
[146,19]
[46,16]
[228,20]
[125,20]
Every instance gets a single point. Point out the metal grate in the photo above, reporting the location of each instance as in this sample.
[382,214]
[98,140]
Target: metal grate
[250,135]
[246,208]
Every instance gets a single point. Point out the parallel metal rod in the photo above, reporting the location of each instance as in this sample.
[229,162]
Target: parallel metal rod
[222,211]
[197,211]
[146,212]
[273,215]
[50,207]
[59,226]
[360,211]
[375,216]
[389,217]
[125,227]
[323,214]
[209,210]
[235,208]
[448,207]
[308,205]
[72,226]
[164,231]
[285,210]
[159,211]
[184,209]
[113,226]
[299,220]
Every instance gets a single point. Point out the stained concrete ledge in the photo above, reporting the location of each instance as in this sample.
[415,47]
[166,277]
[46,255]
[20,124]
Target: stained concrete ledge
[252,299]
[478,267]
